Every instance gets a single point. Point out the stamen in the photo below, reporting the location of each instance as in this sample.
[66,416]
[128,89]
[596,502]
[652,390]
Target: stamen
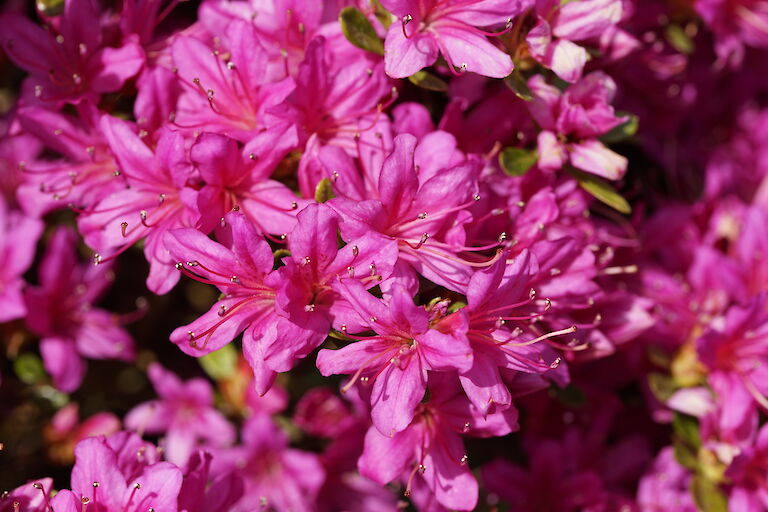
[543,337]
[406,20]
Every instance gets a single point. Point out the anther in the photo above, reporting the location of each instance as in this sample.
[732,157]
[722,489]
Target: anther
[423,215]
[143,215]
[476,197]
[83,49]
[95,484]
[309,308]
[193,263]
[294,205]
[407,19]
[252,156]
[97,258]
[335,175]
[234,279]
[179,265]
[373,319]
[464,459]
[372,268]
[38,486]
[502,236]
[123,227]
[465,429]
[222,310]
[161,199]
[306,260]
[555,363]
[230,65]
[355,251]
[351,271]
[60,39]
[191,336]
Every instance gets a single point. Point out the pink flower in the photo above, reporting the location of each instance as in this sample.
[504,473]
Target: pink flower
[560,23]
[275,476]
[184,413]
[427,28]
[225,92]
[431,446]
[749,475]
[30,497]
[736,24]
[18,238]
[101,480]
[240,178]
[572,121]
[85,174]
[396,360]
[419,204]
[156,199]
[71,60]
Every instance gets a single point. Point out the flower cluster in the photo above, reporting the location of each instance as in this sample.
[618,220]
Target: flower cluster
[454,252]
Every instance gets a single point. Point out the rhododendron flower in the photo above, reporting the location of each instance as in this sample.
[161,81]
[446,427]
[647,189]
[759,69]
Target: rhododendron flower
[155,200]
[184,413]
[449,27]
[396,360]
[70,61]
[275,476]
[99,482]
[748,475]
[30,497]
[736,23]
[431,448]
[572,121]
[559,24]
[18,237]
[61,312]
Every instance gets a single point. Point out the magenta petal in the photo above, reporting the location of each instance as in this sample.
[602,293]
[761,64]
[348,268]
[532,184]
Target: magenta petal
[97,462]
[471,51]
[405,56]
[396,393]
[62,361]
[111,67]
[160,486]
[450,480]
[592,156]
[445,352]
[66,501]
[385,458]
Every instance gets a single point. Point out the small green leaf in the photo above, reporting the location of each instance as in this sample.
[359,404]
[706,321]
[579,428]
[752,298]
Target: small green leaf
[29,368]
[517,161]
[221,364]
[456,305]
[707,495]
[676,36]
[516,81]
[428,81]
[383,15]
[687,430]
[622,132]
[359,31]
[601,191]
[662,386]
[685,455]
[324,191]
[50,7]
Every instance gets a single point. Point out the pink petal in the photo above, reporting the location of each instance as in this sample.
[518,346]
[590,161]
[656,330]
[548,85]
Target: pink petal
[592,156]
[473,52]
[62,361]
[405,56]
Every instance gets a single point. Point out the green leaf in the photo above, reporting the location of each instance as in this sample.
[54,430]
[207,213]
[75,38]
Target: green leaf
[601,190]
[685,455]
[324,191]
[707,495]
[50,7]
[662,386]
[686,429]
[624,131]
[29,368]
[359,31]
[221,364]
[517,161]
[676,36]
[428,81]
[516,81]
[383,15]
